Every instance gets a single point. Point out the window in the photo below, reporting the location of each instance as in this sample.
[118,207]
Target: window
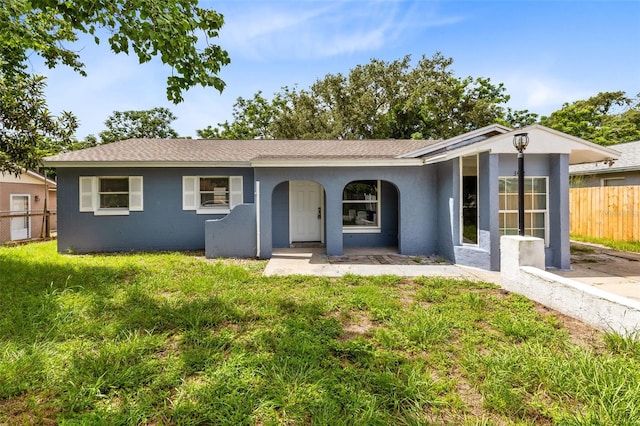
[469,198]
[535,206]
[214,192]
[211,194]
[114,193]
[110,195]
[616,181]
[361,206]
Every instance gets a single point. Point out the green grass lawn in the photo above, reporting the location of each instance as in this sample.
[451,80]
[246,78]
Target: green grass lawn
[633,246]
[172,339]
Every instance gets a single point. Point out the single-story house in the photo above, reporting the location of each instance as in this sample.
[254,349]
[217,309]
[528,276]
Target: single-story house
[23,200]
[235,198]
[623,171]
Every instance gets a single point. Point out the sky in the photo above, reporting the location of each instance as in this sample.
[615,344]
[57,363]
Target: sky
[546,53]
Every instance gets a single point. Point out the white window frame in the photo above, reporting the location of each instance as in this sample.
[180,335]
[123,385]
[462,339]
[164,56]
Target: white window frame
[191,194]
[461,218]
[89,195]
[365,229]
[511,211]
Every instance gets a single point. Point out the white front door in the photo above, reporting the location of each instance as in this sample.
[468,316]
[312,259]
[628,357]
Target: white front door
[20,228]
[305,210]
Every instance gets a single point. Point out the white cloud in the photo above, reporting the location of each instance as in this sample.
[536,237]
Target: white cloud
[310,30]
[542,94]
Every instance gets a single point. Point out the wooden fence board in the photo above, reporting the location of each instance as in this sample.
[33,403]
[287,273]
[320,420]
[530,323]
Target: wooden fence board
[605,212]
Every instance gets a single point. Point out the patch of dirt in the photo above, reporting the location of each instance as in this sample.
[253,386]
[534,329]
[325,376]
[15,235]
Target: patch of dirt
[581,333]
[358,325]
[20,411]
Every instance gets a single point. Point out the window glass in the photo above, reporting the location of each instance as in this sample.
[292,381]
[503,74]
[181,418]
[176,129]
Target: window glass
[214,192]
[114,193]
[535,205]
[469,199]
[361,204]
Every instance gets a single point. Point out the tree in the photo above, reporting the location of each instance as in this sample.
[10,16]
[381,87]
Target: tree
[28,131]
[153,123]
[517,119]
[172,30]
[252,119]
[607,118]
[178,32]
[378,100]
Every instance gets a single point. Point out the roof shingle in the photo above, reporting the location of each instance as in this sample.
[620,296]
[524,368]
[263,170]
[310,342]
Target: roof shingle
[204,150]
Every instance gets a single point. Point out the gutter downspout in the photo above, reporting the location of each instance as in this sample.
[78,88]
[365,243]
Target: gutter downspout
[257,198]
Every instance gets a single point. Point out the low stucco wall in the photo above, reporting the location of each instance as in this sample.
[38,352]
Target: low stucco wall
[522,263]
[232,236]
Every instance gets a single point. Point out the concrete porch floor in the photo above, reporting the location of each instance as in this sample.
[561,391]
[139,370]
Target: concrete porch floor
[369,261]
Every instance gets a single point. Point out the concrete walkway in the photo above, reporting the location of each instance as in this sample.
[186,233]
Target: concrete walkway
[369,262]
[613,272]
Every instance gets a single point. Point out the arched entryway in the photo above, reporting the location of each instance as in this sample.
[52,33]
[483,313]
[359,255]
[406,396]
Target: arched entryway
[298,214]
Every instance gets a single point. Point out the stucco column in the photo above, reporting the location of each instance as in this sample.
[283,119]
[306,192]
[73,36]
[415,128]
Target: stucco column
[488,221]
[558,200]
[266,234]
[333,215]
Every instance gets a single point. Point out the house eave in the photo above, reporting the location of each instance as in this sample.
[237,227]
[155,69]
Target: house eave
[145,164]
[391,162]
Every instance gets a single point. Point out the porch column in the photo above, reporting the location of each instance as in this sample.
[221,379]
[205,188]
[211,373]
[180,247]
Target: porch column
[333,214]
[488,196]
[558,207]
[266,244]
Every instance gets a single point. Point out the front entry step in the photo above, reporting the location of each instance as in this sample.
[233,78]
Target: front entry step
[307,244]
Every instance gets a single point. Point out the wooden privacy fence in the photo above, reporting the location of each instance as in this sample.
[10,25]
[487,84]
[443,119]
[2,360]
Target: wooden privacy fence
[605,212]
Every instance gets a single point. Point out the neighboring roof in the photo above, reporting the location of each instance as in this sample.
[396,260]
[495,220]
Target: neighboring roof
[233,152]
[499,140]
[629,160]
[27,177]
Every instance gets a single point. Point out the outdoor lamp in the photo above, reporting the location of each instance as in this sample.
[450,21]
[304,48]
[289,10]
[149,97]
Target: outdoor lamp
[520,142]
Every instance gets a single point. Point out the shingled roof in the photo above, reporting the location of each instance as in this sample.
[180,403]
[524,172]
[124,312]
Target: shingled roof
[629,160]
[234,151]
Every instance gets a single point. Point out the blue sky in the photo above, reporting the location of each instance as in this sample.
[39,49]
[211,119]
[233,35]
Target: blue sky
[545,52]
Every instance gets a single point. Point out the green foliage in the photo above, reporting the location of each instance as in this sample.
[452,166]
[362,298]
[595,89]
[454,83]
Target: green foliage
[378,100]
[173,30]
[153,123]
[178,32]
[607,118]
[252,119]
[28,131]
[172,338]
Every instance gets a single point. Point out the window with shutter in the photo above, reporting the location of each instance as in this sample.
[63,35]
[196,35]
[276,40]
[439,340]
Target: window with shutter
[211,194]
[110,195]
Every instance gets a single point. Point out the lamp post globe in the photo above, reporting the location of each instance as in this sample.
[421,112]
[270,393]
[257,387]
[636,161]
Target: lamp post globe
[520,142]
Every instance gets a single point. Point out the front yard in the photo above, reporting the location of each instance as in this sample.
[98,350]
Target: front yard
[173,339]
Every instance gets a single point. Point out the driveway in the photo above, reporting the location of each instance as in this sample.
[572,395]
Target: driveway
[610,270]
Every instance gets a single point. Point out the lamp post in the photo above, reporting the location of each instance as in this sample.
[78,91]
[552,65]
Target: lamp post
[520,142]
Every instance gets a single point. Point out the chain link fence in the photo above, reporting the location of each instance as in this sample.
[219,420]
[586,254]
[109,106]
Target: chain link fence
[31,225]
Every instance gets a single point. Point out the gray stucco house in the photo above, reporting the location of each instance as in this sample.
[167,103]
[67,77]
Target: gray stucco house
[453,198]
[623,171]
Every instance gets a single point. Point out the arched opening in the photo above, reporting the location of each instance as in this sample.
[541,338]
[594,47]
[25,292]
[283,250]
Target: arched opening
[370,214]
[297,217]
